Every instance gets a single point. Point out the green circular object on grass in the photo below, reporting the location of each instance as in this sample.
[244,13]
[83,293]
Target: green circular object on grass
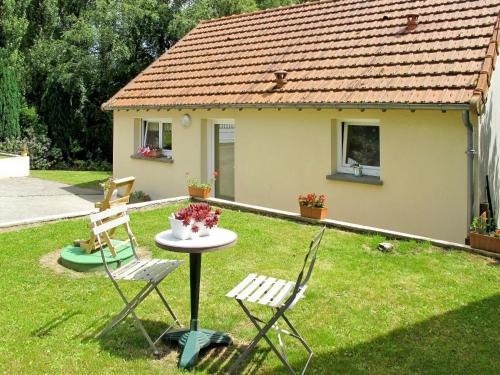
[78,259]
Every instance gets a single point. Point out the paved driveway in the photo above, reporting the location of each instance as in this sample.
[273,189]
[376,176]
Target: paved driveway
[29,198]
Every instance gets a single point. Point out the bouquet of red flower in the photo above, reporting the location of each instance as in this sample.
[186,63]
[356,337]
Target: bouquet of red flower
[312,200]
[197,217]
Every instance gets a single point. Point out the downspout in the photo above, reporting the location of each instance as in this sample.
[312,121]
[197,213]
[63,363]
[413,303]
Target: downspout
[470,168]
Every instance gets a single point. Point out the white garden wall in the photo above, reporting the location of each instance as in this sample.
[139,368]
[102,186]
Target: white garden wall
[14,165]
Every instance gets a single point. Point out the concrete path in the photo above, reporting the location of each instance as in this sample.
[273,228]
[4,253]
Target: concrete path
[28,198]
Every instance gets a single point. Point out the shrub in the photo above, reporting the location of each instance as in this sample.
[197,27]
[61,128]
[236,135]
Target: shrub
[9,102]
[42,155]
[139,196]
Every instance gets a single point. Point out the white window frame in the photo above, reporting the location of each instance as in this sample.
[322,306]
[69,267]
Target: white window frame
[160,121]
[343,167]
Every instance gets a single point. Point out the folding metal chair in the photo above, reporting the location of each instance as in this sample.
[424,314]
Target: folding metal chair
[280,296]
[151,271]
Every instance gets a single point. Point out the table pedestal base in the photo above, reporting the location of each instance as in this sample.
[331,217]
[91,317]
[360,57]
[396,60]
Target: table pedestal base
[193,341]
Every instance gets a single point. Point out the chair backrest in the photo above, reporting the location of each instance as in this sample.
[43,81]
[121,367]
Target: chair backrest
[308,266]
[105,221]
[127,183]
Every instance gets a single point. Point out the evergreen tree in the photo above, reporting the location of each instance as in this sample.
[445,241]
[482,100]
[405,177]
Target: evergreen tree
[9,102]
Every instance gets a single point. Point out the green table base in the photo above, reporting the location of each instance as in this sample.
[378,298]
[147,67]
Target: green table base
[193,341]
[78,259]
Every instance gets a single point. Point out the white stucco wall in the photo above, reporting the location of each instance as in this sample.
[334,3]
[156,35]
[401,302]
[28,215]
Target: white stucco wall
[489,144]
[280,154]
[14,166]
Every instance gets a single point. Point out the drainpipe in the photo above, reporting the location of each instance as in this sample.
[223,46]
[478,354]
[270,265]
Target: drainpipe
[470,168]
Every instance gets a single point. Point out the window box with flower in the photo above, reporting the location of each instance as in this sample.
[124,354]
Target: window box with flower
[199,189]
[313,206]
[483,234]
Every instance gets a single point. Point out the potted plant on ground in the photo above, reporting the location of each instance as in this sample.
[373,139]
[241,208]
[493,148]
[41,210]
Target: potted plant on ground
[313,206]
[200,189]
[194,221]
[483,234]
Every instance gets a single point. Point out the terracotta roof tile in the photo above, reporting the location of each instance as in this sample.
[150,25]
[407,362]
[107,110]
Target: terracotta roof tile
[335,52]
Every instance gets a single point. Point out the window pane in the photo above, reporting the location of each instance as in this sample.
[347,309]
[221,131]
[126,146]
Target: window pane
[363,145]
[153,134]
[167,136]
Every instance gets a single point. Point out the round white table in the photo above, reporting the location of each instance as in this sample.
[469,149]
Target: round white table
[193,339]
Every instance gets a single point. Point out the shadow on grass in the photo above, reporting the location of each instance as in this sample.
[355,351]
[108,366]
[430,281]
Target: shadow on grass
[219,359]
[49,326]
[88,191]
[462,341]
[126,341]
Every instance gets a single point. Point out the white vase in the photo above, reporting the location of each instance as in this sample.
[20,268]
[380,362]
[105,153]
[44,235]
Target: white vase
[179,230]
[204,230]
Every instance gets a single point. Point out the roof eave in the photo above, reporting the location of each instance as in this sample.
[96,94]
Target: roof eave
[382,106]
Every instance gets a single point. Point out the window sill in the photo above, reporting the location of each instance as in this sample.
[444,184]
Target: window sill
[161,159]
[369,180]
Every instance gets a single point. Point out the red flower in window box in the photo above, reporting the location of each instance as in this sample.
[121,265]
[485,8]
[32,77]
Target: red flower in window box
[313,206]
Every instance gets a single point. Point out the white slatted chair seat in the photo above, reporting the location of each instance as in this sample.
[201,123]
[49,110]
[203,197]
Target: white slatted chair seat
[146,270]
[265,290]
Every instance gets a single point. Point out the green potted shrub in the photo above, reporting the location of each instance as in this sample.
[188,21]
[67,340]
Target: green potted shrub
[483,234]
[200,189]
[313,206]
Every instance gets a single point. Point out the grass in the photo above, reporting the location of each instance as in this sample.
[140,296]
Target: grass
[83,179]
[417,310]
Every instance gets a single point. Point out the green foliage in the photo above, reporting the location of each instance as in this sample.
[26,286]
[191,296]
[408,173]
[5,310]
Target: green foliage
[484,225]
[70,56]
[42,154]
[13,24]
[30,122]
[9,102]
[139,196]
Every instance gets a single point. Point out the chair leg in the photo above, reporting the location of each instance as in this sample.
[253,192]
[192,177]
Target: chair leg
[297,334]
[141,328]
[302,341]
[164,300]
[280,342]
[263,330]
[129,307]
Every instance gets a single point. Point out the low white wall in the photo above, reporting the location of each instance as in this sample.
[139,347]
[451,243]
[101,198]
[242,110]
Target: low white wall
[14,165]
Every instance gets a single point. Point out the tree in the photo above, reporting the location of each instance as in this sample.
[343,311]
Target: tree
[9,102]
[70,56]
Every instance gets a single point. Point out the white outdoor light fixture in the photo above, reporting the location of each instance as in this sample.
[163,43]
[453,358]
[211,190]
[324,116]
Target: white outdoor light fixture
[186,120]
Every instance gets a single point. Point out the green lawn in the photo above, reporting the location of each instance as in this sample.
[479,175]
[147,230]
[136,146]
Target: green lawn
[83,179]
[417,310]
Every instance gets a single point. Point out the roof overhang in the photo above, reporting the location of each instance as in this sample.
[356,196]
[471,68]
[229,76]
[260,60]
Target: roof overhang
[318,106]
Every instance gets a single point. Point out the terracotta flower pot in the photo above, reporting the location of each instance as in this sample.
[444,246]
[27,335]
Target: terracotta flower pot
[199,192]
[154,154]
[488,243]
[314,212]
